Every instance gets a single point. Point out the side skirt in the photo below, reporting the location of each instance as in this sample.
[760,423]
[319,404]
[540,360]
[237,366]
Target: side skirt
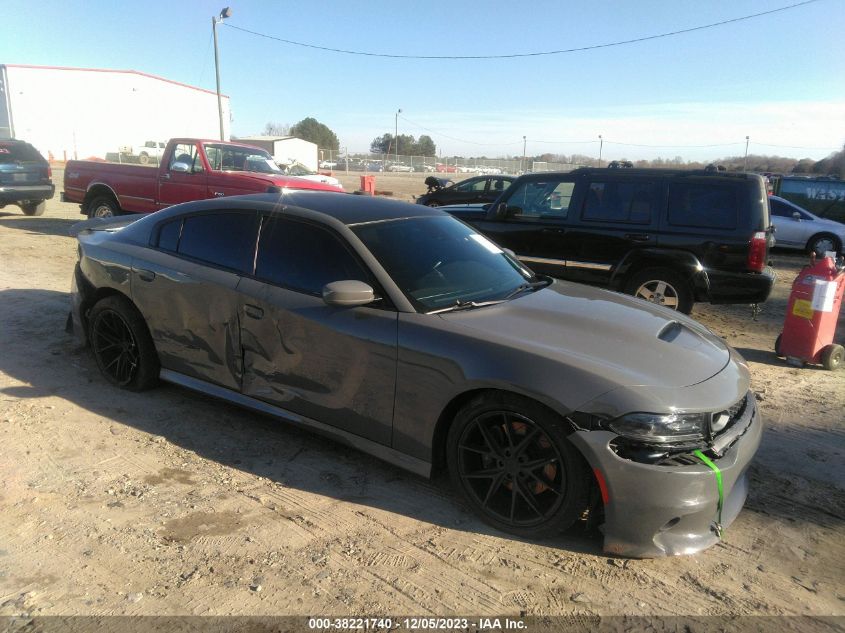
[375,449]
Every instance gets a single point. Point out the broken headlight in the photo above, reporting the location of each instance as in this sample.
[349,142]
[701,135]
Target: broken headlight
[662,429]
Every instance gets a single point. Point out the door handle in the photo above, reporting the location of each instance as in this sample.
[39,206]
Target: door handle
[553,231]
[164,177]
[253,312]
[146,275]
[638,237]
[218,194]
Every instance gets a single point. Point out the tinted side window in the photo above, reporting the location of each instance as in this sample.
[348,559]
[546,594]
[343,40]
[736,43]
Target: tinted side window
[224,239]
[168,235]
[783,210]
[303,257]
[535,199]
[711,206]
[628,202]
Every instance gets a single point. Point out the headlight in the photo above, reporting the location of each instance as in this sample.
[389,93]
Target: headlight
[655,428]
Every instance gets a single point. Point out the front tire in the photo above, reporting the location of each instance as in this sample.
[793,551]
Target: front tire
[143,158]
[122,345]
[103,207]
[34,208]
[512,461]
[663,287]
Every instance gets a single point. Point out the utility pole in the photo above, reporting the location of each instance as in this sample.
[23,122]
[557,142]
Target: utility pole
[396,133]
[522,164]
[224,13]
[745,167]
[601,147]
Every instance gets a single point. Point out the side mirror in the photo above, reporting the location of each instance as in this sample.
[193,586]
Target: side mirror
[511,254]
[796,215]
[501,211]
[349,292]
[182,168]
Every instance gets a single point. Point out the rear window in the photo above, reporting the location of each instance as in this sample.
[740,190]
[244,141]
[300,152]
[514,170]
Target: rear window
[703,205]
[19,152]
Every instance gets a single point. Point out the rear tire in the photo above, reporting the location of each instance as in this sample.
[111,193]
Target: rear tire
[820,244]
[122,345]
[512,460]
[143,158]
[661,286]
[833,357]
[103,207]
[34,208]
[777,346]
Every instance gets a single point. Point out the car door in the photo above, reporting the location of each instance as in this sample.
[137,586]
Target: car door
[536,222]
[186,288]
[335,365]
[175,186]
[615,216]
[791,231]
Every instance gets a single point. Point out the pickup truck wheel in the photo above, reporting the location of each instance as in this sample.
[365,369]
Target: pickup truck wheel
[36,207]
[123,347]
[103,207]
[143,158]
[663,287]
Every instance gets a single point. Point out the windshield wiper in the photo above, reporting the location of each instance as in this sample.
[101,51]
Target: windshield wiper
[460,304]
[526,286]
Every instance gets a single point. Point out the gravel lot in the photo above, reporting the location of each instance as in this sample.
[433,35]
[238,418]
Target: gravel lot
[169,503]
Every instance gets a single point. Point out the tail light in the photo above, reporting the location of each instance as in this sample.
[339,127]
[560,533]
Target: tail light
[49,171]
[757,252]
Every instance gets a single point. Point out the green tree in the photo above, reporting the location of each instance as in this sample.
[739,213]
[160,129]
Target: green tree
[310,129]
[382,144]
[425,146]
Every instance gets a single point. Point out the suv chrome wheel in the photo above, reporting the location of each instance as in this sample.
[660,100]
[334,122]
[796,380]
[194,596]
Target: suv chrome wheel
[659,292]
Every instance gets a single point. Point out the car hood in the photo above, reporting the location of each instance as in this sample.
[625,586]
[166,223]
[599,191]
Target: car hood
[292,182]
[628,341]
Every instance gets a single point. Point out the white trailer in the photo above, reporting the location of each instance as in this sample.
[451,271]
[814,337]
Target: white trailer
[88,112]
[286,149]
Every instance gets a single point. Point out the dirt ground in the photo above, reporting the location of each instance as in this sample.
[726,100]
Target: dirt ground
[168,503]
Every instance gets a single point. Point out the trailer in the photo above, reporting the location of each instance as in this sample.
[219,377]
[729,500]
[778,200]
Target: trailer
[823,196]
[69,113]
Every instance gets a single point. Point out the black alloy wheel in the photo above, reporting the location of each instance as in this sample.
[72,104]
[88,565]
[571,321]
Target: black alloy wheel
[516,467]
[122,345]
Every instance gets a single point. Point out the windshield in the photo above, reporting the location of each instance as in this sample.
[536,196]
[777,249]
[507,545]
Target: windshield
[239,158]
[439,261]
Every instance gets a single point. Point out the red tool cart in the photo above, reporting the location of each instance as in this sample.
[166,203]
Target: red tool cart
[812,314]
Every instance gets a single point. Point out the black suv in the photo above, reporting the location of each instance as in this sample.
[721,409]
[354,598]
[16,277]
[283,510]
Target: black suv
[25,177]
[669,236]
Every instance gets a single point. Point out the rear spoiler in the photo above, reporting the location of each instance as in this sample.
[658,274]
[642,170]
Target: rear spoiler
[104,224]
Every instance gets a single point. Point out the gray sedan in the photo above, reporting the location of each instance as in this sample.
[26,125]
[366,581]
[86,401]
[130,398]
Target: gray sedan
[796,227]
[401,331]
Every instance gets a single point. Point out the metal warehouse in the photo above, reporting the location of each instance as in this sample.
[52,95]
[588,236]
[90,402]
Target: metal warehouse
[90,112]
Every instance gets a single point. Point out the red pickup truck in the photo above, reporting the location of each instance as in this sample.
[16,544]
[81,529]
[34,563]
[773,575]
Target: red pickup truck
[190,169]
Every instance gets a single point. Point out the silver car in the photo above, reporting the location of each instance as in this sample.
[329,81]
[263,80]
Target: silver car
[401,331]
[796,227]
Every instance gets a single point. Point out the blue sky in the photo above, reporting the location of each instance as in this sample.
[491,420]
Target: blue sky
[776,78]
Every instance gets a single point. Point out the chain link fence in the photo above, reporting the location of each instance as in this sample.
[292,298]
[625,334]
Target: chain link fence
[340,160]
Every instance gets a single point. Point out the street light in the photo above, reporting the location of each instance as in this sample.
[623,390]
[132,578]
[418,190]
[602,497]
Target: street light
[224,13]
[601,146]
[745,167]
[522,164]
[396,133]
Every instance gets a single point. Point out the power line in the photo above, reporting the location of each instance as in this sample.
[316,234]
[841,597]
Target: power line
[453,138]
[671,146]
[534,54]
[830,149]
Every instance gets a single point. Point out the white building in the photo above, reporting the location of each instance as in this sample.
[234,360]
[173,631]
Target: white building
[286,149]
[89,112]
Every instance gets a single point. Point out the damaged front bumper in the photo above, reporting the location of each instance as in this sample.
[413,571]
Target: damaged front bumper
[665,510]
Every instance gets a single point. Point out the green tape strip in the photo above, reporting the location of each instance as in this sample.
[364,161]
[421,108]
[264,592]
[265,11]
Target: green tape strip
[706,461]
